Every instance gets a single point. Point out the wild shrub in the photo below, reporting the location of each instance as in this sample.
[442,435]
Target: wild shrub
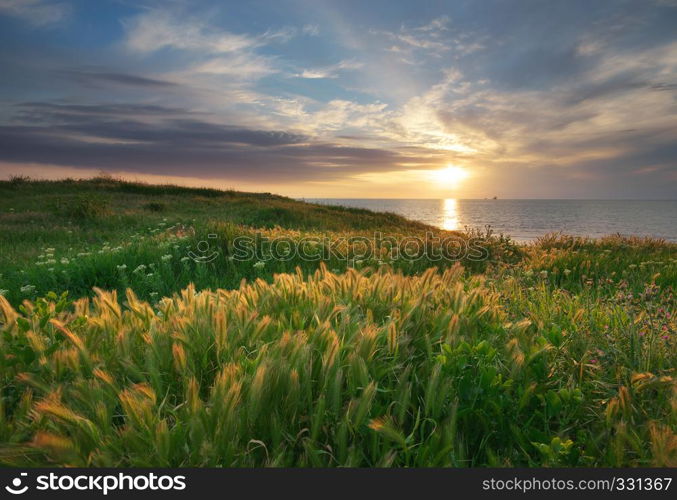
[86,208]
[155,206]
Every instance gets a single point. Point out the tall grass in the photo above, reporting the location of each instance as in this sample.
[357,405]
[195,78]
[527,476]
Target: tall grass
[352,369]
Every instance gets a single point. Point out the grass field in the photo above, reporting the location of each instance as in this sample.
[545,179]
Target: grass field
[117,348]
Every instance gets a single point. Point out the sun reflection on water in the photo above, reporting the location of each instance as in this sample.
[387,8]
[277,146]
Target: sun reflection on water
[450,214]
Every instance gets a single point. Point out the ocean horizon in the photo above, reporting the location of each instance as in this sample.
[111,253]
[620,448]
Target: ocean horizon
[525,220]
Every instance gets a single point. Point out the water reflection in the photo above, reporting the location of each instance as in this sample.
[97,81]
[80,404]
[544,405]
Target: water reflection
[450,214]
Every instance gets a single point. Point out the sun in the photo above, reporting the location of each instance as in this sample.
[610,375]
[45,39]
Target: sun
[450,176]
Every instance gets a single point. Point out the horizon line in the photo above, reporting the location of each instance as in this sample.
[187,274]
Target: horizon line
[304,198]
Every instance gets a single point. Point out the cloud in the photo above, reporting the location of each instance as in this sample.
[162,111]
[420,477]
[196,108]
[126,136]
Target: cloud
[326,119]
[142,123]
[540,67]
[55,113]
[330,71]
[435,38]
[235,66]
[436,25]
[212,60]
[282,35]
[339,114]
[95,79]
[35,12]
[429,36]
[184,155]
[311,30]
[158,29]
[153,139]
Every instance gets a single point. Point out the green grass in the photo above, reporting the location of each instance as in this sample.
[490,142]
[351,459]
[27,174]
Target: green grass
[35,215]
[559,353]
[75,235]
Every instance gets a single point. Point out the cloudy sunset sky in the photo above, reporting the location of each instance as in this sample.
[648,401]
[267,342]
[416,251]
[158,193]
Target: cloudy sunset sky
[311,98]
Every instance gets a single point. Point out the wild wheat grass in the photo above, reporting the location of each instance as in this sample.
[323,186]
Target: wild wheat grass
[351,369]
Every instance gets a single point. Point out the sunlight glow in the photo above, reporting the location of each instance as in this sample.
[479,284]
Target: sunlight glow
[450,214]
[451,176]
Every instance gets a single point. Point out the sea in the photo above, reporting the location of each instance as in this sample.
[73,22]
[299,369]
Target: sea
[526,220]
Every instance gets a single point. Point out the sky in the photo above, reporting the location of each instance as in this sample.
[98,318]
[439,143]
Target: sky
[346,99]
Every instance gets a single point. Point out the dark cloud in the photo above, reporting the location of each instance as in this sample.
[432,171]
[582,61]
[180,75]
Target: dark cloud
[539,67]
[71,113]
[619,84]
[96,79]
[124,122]
[664,86]
[636,150]
[187,133]
[108,137]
